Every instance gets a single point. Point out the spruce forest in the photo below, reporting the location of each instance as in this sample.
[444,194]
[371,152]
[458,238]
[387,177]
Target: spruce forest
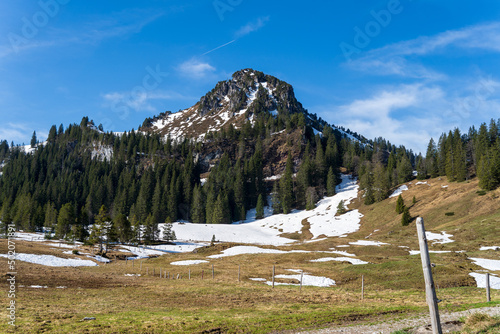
[81,175]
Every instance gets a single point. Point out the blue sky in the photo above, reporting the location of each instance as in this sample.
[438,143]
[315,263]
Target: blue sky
[406,70]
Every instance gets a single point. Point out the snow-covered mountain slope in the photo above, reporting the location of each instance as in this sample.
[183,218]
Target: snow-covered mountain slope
[267,231]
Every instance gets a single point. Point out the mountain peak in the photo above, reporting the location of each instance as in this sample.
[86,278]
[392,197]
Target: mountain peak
[236,102]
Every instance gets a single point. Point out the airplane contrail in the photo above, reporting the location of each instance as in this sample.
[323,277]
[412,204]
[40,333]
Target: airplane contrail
[221,46]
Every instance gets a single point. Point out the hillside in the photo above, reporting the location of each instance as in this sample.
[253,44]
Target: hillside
[245,145]
[462,247]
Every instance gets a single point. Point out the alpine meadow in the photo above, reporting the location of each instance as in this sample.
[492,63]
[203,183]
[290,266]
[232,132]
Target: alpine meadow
[297,168]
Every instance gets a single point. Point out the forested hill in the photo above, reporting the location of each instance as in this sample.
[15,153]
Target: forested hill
[274,149]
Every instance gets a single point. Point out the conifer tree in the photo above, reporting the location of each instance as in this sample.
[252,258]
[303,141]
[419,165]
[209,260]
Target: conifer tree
[65,219]
[381,182]
[286,187]
[405,170]
[275,197]
[311,198]
[198,206]
[431,159]
[421,168]
[33,141]
[406,218]
[320,164]
[330,182]
[150,229]
[168,232]
[220,213]
[50,216]
[341,209]
[400,205]
[460,165]
[259,214]
[123,228]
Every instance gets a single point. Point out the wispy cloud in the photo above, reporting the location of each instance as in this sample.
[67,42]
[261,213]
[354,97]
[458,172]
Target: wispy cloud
[402,59]
[19,133]
[396,112]
[139,102]
[120,24]
[251,27]
[92,31]
[195,68]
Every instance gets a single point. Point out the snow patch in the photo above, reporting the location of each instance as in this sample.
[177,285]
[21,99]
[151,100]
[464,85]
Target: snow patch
[307,280]
[399,191]
[443,238]
[481,281]
[241,250]
[489,248]
[188,262]
[487,264]
[341,259]
[412,252]
[367,243]
[52,261]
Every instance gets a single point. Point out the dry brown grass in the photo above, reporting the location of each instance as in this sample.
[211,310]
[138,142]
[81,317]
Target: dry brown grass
[394,283]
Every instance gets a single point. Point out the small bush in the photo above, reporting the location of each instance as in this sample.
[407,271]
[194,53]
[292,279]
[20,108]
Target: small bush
[449,214]
[75,251]
[481,192]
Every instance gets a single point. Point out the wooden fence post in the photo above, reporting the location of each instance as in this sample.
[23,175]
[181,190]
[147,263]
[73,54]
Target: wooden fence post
[189,273]
[301,279]
[239,273]
[488,297]
[362,287]
[274,270]
[430,292]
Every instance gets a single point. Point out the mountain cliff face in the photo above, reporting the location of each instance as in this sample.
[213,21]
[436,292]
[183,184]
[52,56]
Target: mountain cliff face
[233,102]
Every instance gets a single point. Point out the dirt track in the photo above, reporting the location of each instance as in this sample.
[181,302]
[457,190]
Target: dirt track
[389,327]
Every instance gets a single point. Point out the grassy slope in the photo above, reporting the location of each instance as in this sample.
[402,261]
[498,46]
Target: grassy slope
[394,284]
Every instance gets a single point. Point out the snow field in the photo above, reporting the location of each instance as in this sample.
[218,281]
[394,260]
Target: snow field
[52,261]
[267,231]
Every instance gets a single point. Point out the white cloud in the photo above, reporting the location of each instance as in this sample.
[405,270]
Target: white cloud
[251,27]
[138,100]
[195,68]
[405,115]
[20,133]
[402,58]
